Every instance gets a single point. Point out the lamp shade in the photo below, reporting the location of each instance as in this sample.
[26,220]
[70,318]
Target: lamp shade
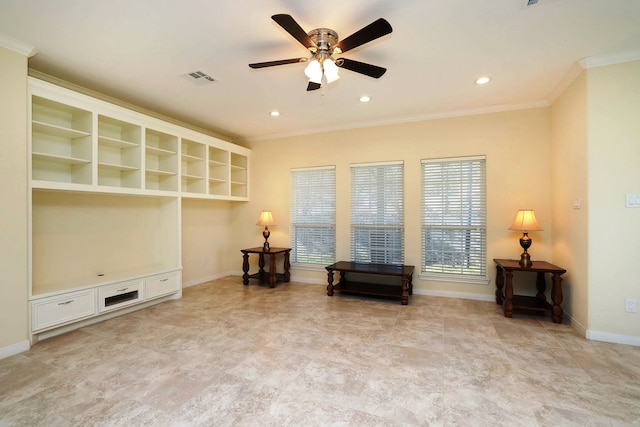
[330,71]
[525,221]
[314,71]
[266,219]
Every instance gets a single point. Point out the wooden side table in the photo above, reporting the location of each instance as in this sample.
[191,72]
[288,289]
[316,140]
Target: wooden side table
[260,275]
[504,282]
[404,272]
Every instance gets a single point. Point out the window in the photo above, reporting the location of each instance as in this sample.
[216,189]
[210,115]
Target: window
[454,242]
[313,215]
[377,213]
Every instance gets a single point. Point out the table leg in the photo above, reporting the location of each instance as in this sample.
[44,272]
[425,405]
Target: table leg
[245,268]
[261,265]
[411,285]
[508,294]
[287,267]
[405,291]
[272,270]
[499,286]
[556,297]
[330,285]
[541,286]
[343,278]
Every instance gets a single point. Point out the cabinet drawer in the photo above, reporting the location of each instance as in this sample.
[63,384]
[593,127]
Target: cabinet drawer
[57,310]
[119,295]
[162,284]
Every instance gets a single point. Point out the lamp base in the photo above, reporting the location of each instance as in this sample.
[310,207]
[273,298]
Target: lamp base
[525,242]
[266,233]
[525,260]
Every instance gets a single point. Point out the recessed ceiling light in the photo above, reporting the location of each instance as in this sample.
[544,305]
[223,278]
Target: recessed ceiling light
[275,113]
[483,80]
[365,98]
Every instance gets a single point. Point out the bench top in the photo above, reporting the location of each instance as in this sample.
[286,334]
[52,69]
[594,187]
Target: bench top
[369,268]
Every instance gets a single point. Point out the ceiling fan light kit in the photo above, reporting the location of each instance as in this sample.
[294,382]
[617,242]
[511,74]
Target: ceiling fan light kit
[322,43]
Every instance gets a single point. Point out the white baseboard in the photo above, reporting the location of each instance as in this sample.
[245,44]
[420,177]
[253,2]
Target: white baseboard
[14,349]
[576,325]
[240,273]
[450,294]
[308,281]
[613,338]
[208,279]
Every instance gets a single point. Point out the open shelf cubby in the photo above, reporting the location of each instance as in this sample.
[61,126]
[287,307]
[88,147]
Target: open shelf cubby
[61,142]
[161,161]
[193,172]
[239,176]
[119,158]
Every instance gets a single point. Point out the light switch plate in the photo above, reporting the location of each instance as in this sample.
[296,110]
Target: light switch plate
[577,203]
[633,201]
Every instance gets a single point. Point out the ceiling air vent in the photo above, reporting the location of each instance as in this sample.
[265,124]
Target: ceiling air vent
[200,77]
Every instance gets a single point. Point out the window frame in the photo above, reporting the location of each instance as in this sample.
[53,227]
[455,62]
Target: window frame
[389,227]
[329,226]
[471,227]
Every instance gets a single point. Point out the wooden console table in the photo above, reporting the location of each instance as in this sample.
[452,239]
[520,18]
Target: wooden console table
[273,275]
[405,272]
[504,281]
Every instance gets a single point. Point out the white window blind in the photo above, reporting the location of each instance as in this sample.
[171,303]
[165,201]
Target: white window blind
[377,213]
[313,215]
[454,217]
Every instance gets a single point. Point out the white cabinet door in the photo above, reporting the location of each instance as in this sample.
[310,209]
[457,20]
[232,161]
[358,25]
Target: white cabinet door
[53,311]
[162,284]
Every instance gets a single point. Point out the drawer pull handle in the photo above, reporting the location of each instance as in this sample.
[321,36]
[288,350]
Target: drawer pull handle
[122,290]
[164,280]
[66,302]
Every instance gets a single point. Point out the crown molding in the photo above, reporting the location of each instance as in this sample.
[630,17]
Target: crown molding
[610,59]
[591,62]
[400,120]
[17,46]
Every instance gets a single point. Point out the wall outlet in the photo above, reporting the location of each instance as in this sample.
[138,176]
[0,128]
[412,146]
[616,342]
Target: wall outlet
[631,305]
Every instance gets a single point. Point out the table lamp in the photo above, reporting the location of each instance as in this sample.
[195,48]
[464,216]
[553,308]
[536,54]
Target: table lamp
[266,219]
[525,221]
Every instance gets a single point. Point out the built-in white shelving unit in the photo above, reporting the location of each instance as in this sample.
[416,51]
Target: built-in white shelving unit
[79,143]
[106,190]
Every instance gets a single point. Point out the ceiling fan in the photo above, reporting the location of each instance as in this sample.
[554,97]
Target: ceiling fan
[323,43]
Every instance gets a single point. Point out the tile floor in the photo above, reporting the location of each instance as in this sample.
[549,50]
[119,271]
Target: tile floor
[230,355]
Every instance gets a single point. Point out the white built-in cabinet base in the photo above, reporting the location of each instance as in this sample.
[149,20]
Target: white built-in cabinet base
[62,311]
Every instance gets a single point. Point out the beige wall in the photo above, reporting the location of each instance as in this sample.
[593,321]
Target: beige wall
[77,236]
[206,241]
[614,171]
[518,149]
[13,204]
[569,171]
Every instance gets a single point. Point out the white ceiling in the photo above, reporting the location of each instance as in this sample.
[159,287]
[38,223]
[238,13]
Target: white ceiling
[140,50]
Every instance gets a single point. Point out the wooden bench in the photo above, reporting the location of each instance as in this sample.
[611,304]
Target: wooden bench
[401,290]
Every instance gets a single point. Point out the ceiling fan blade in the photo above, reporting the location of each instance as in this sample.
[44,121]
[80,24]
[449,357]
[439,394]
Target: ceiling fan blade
[376,29]
[292,27]
[279,62]
[361,67]
[313,86]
